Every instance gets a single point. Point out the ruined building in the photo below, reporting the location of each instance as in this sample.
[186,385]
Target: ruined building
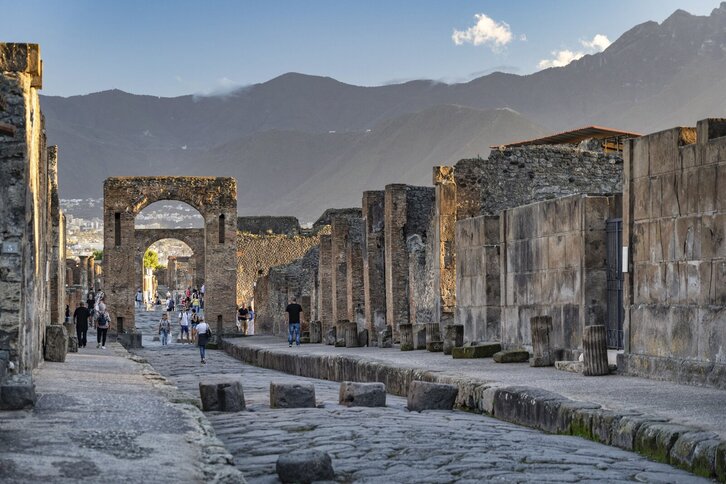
[32,227]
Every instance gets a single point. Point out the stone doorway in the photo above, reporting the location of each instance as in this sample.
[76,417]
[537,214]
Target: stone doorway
[214,198]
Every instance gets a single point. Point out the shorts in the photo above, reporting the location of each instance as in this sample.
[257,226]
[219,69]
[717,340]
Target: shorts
[185,329]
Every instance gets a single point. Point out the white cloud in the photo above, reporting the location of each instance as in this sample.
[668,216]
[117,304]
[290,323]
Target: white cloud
[485,31]
[598,43]
[561,58]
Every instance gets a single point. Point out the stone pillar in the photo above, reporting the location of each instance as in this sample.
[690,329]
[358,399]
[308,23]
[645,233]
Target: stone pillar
[374,272]
[445,243]
[396,257]
[340,328]
[595,350]
[339,267]
[83,266]
[453,337]
[419,336]
[542,354]
[171,277]
[325,284]
[316,335]
[406,331]
[91,272]
[354,273]
[351,335]
[58,243]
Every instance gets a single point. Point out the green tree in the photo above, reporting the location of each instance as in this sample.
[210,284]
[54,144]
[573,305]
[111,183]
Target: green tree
[98,254]
[151,259]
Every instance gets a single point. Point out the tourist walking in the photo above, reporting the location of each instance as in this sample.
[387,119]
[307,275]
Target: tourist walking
[80,317]
[103,322]
[68,313]
[139,298]
[294,314]
[242,316]
[195,321]
[164,329]
[203,336]
[251,322]
[184,322]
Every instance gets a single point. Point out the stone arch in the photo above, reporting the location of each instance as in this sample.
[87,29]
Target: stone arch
[214,198]
[194,238]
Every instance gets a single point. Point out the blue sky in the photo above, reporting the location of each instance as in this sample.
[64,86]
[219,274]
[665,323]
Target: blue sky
[176,47]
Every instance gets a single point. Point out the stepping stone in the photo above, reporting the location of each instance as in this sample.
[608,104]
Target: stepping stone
[479,350]
[431,396]
[292,395]
[511,356]
[362,394]
[571,366]
[222,395]
[56,343]
[305,466]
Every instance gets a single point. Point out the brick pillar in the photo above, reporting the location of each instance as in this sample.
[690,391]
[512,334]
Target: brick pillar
[444,243]
[354,274]
[374,272]
[325,284]
[83,268]
[91,272]
[339,267]
[396,257]
[58,242]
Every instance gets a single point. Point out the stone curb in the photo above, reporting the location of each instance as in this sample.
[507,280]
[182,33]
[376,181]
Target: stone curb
[217,463]
[694,450]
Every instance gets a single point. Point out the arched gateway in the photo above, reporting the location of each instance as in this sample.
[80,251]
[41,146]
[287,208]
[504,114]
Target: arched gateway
[214,198]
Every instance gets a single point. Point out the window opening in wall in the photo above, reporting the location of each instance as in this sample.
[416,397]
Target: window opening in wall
[117,229]
[221,229]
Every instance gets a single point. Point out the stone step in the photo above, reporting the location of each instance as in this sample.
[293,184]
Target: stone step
[481,350]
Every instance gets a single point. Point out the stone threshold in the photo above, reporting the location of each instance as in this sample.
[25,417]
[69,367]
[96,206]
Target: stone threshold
[700,452]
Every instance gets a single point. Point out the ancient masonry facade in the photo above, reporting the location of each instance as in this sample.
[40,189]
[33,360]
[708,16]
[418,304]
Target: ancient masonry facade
[214,198]
[32,227]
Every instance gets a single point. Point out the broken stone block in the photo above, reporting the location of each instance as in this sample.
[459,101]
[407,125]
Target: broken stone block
[72,338]
[511,356]
[435,346]
[571,366]
[17,393]
[354,394]
[595,350]
[130,340]
[222,395]
[305,466]
[542,352]
[292,395]
[351,335]
[478,350]
[316,332]
[155,338]
[363,338]
[305,337]
[431,396]
[385,338]
[453,337]
[56,343]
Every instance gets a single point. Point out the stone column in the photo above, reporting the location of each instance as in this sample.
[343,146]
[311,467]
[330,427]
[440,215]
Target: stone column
[374,272]
[351,335]
[83,267]
[325,284]
[316,335]
[406,331]
[396,257]
[91,272]
[453,337]
[57,253]
[444,243]
[434,342]
[339,267]
[540,328]
[595,350]
[171,280]
[354,273]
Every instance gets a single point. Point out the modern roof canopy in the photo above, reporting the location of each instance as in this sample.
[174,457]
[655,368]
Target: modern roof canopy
[574,136]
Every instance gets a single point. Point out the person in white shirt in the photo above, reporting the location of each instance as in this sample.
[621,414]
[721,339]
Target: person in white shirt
[203,335]
[184,321]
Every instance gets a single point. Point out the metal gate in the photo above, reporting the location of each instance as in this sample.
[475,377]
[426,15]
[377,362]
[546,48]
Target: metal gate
[616,314]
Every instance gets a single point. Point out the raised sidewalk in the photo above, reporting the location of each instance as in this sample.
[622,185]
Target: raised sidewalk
[681,425]
[105,416]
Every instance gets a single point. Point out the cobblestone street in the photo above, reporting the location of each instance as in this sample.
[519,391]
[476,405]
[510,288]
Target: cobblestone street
[391,444]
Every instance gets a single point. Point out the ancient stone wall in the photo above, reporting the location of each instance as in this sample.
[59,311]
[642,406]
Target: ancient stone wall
[275,291]
[478,304]
[675,226]
[553,262]
[443,251]
[256,254]
[27,235]
[263,225]
[517,176]
[355,296]
[324,292]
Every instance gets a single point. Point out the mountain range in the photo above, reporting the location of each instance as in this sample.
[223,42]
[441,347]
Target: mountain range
[299,144]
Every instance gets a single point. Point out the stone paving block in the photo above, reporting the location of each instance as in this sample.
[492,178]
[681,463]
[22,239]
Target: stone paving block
[511,356]
[353,394]
[431,396]
[292,395]
[480,350]
[305,466]
[696,452]
[655,440]
[56,343]
[223,395]
[528,406]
